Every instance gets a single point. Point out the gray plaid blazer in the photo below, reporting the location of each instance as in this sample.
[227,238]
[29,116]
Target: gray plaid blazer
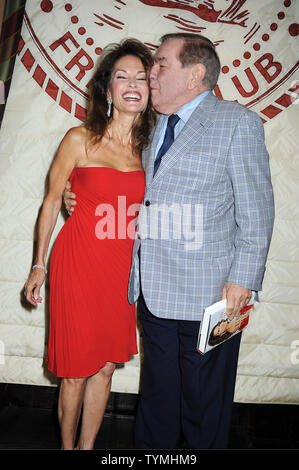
[213,198]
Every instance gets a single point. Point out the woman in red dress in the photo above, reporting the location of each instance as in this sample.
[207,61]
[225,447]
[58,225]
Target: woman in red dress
[92,324]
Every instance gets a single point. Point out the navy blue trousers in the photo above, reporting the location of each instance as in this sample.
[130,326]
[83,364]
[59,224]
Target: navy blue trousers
[186,398]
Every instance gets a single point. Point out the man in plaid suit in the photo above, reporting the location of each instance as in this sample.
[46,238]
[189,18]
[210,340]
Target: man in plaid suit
[217,166]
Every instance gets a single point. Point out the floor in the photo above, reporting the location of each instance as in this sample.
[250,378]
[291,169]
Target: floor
[28,421]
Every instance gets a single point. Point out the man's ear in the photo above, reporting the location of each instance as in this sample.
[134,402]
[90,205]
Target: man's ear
[197,74]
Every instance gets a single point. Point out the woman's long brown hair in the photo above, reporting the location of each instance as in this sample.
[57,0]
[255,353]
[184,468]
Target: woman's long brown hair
[97,120]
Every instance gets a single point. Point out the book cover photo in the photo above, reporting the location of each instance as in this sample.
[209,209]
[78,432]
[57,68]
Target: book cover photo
[215,327]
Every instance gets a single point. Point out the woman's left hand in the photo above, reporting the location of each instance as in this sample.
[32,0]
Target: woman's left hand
[33,285]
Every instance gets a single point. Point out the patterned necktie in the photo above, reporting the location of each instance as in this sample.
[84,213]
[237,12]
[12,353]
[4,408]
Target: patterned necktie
[168,139]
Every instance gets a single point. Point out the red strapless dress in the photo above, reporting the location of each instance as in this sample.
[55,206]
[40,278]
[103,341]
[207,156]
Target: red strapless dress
[91,320]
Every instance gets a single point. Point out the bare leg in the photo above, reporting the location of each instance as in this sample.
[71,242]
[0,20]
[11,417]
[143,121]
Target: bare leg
[96,395]
[69,409]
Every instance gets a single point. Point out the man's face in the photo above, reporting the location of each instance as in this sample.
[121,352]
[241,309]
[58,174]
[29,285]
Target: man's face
[168,79]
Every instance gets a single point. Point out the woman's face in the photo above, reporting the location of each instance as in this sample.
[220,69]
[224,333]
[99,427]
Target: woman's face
[220,329]
[128,88]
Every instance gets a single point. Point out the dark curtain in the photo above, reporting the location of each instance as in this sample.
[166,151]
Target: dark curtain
[11,23]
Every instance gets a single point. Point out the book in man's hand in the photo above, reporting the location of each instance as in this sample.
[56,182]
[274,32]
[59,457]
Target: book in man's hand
[215,327]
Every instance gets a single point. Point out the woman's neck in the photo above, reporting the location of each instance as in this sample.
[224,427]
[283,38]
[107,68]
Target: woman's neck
[120,128]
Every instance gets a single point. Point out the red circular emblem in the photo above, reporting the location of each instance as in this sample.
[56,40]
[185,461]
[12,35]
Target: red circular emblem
[257,47]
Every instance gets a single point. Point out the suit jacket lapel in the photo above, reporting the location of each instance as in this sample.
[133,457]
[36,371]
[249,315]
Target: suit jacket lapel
[196,126]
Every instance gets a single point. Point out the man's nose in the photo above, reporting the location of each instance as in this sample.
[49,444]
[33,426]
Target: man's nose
[154,71]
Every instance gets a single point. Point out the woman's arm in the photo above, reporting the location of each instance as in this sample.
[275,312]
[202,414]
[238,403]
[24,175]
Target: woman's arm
[68,154]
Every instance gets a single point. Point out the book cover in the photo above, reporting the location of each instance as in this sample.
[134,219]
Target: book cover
[215,327]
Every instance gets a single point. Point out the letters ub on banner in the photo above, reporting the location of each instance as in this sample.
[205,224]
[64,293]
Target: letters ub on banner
[60,44]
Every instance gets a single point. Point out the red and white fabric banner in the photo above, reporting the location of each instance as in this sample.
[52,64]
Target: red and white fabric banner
[59,47]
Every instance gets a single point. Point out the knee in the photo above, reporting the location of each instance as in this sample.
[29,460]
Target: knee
[107,370]
[77,384]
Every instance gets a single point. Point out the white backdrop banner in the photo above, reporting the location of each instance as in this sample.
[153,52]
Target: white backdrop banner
[59,47]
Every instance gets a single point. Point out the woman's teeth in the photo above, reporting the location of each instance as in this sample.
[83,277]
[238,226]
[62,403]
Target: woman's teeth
[130,96]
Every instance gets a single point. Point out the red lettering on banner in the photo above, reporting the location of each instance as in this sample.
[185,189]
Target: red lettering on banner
[252,80]
[82,67]
[62,42]
[268,68]
[264,69]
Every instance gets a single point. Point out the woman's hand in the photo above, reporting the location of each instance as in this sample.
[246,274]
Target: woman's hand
[33,285]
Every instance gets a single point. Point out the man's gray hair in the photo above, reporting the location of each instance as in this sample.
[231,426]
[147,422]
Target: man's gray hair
[198,49]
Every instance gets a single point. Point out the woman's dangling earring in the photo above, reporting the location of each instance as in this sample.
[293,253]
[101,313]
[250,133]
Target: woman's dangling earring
[109,101]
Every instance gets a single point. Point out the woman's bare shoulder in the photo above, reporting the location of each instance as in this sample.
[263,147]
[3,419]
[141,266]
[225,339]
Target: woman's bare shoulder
[76,135]
[72,146]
